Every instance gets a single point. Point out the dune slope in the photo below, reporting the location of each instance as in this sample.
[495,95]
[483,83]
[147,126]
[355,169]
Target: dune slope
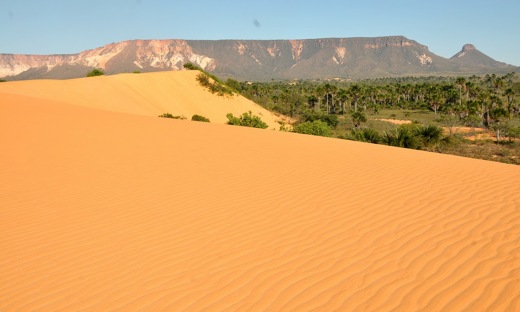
[150,94]
[103,211]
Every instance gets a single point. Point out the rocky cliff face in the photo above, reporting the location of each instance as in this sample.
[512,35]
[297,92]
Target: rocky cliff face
[254,59]
[116,57]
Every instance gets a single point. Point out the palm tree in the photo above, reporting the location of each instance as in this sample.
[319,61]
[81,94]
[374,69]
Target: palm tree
[498,114]
[435,98]
[498,84]
[312,100]
[510,94]
[461,83]
[358,118]
[355,94]
[468,86]
[320,93]
[509,78]
[342,96]
[330,90]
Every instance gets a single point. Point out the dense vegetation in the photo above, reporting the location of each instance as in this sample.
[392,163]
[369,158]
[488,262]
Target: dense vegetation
[437,106]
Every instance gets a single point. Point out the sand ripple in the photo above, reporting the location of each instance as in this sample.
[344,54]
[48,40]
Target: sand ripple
[110,212]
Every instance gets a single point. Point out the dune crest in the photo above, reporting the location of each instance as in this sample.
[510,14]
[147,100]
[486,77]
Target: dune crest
[149,94]
[103,211]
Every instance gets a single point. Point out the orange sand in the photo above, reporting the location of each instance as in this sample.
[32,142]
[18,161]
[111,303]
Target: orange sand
[395,121]
[103,211]
[151,94]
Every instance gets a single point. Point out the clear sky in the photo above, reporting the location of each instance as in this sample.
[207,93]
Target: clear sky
[71,26]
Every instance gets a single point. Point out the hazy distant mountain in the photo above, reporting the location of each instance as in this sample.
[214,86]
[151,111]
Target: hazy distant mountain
[470,57]
[258,59]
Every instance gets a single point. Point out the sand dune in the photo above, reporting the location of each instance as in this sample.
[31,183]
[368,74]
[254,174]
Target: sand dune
[150,94]
[103,211]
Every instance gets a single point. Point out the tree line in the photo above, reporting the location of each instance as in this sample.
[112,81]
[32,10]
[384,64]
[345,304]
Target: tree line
[480,101]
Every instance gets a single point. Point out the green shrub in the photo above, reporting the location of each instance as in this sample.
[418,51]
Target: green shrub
[513,133]
[368,135]
[358,118]
[203,80]
[233,84]
[331,120]
[191,66]
[316,127]
[211,82]
[402,137]
[95,72]
[168,115]
[246,120]
[429,135]
[199,118]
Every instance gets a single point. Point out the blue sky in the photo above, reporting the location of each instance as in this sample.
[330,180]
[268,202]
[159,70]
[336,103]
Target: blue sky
[71,26]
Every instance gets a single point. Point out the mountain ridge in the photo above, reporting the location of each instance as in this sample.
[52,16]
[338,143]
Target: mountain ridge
[321,58]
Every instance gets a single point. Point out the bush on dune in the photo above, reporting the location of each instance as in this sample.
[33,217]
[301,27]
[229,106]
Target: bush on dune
[213,84]
[199,118]
[209,81]
[246,120]
[168,115]
[95,72]
[191,66]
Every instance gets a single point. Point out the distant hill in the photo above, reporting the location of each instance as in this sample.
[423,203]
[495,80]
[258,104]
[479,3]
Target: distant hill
[258,59]
[470,58]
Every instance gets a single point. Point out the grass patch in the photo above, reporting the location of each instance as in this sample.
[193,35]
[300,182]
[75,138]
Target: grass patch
[507,152]
[168,115]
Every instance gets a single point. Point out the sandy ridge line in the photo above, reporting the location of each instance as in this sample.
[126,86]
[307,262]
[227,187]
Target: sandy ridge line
[148,94]
[146,214]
